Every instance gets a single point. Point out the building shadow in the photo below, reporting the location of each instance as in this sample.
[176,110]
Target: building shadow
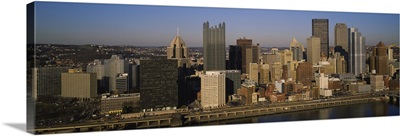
[19,126]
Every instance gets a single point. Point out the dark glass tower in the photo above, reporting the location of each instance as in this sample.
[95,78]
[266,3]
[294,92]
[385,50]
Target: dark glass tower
[320,28]
[235,57]
[158,84]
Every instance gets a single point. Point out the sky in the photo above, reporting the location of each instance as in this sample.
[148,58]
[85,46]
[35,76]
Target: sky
[140,25]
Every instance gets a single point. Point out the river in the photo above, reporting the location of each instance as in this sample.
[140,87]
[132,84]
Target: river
[373,109]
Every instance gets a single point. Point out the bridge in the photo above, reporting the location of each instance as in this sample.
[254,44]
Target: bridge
[158,121]
[250,112]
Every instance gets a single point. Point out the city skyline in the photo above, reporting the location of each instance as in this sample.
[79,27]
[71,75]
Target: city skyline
[138,25]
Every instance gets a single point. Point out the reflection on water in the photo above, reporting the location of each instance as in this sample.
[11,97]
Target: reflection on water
[374,109]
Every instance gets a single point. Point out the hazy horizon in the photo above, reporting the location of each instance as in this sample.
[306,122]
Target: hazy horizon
[142,25]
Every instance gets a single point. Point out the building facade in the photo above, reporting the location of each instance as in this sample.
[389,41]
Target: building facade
[235,57]
[79,85]
[46,81]
[357,52]
[177,50]
[214,47]
[320,29]
[341,36]
[379,60]
[313,49]
[158,84]
[213,89]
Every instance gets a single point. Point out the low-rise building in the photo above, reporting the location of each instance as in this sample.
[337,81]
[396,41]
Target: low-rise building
[129,102]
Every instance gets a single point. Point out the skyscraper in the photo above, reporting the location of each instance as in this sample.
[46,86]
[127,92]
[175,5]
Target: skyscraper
[320,28]
[357,51]
[379,59]
[253,72]
[304,73]
[158,84]
[47,81]
[264,74]
[313,50]
[250,53]
[213,89]
[235,57]
[214,47]
[297,50]
[341,36]
[113,66]
[177,50]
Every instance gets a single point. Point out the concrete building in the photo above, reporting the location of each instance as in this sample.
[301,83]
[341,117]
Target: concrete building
[158,84]
[79,85]
[357,52]
[320,28]
[112,105]
[214,52]
[97,66]
[46,81]
[325,92]
[264,74]
[253,72]
[122,83]
[247,90]
[377,83]
[322,81]
[213,89]
[235,57]
[279,86]
[178,50]
[113,66]
[270,58]
[313,49]
[304,73]
[341,36]
[286,56]
[359,87]
[297,49]
[379,60]
[341,63]
[276,71]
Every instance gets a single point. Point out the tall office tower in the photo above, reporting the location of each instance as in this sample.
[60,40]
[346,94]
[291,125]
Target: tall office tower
[79,85]
[276,71]
[97,66]
[377,83]
[214,47]
[286,56]
[113,67]
[158,84]
[357,51]
[269,58]
[332,61]
[297,50]
[264,74]
[245,44]
[253,72]
[379,60]
[320,29]
[213,89]
[341,36]
[250,53]
[304,73]
[177,50]
[122,82]
[235,57]
[313,50]
[341,64]
[46,81]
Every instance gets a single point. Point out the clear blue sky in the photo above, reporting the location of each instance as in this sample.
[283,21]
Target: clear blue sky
[75,23]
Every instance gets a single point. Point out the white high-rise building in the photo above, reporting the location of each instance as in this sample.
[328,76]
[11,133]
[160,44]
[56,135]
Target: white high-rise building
[322,81]
[212,89]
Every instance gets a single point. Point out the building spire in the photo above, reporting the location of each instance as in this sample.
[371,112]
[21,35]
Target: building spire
[177,31]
